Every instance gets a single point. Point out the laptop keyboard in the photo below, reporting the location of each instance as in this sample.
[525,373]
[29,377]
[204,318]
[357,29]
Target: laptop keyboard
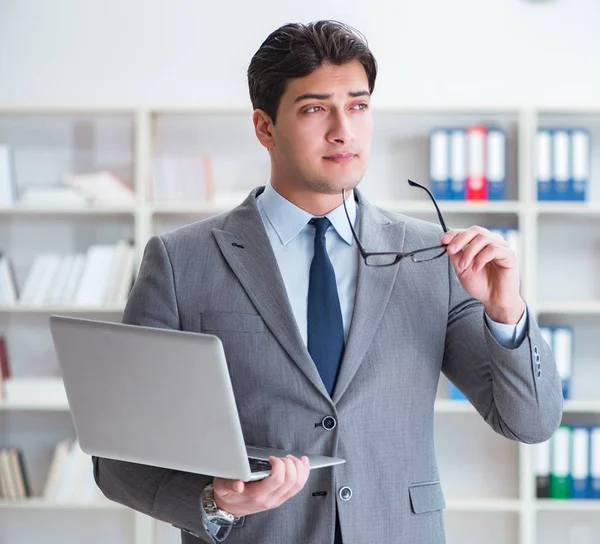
[258,465]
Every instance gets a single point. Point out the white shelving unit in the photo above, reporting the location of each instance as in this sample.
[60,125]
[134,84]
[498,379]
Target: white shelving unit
[488,480]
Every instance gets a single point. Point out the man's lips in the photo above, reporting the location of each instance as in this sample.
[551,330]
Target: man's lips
[341,157]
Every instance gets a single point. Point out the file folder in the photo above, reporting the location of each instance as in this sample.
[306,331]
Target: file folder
[544,165]
[580,470]
[561,163]
[595,463]
[439,163]
[580,156]
[477,186]
[563,353]
[496,164]
[560,464]
[458,163]
[542,469]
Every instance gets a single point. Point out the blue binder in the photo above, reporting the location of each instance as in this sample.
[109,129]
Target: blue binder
[544,165]
[458,163]
[580,164]
[496,164]
[561,163]
[580,463]
[439,163]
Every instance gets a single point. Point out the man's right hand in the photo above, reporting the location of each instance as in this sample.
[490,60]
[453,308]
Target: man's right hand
[288,477]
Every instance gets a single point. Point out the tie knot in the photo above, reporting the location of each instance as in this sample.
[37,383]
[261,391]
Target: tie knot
[321,225]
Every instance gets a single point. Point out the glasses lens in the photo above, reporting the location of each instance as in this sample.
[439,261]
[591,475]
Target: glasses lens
[428,255]
[387,259]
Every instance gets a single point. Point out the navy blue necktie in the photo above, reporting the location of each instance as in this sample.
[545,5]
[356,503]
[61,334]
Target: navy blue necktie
[325,326]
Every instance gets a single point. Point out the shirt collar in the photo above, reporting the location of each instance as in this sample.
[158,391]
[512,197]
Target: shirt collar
[288,219]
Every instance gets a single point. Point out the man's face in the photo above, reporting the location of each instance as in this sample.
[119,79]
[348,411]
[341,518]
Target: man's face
[322,136]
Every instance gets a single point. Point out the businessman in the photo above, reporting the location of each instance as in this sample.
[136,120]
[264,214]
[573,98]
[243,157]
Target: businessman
[337,318]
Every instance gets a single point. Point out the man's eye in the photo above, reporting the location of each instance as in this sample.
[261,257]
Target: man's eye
[312,109]
[361,106]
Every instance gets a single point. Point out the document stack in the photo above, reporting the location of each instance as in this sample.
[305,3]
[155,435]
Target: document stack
[563,164]
[468,163]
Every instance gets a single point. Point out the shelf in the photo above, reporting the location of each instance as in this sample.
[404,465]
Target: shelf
[447,406]
[39,406]
[569,505]
[581,407]
[449,206]
[59,309]
[73,211]
[483,505]
[583,307]
[568,208]
[43,504]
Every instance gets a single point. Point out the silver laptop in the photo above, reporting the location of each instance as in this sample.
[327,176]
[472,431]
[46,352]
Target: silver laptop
[157,397]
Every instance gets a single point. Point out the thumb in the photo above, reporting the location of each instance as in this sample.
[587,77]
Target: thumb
[226,487]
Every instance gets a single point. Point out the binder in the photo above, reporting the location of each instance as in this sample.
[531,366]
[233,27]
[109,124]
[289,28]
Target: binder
[476,185]
[547,336]
[560,463]
[580,469]
[496,164]
[580,155]
[595,463]
[563,353]
[561,164]
[458,163]
[439,163]
[542,469]
[454,393]
[544,165]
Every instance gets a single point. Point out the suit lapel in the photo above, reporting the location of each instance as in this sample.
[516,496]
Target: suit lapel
[256,268]
[374,287]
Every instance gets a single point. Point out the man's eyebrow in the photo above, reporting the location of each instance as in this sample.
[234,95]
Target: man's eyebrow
[322,96]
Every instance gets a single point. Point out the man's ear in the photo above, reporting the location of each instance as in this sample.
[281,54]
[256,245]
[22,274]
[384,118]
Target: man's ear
[264,128]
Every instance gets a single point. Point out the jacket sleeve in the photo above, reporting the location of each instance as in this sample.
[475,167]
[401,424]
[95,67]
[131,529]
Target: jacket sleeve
[517,391]
[167,495]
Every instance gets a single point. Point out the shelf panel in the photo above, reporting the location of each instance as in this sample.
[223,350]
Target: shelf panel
[583,307]
[581,407]
[68,211]
[447,406]
[569,505]
[483,505]
[568,208]
[39,406]
[447,206]
[43,504]
[59,309]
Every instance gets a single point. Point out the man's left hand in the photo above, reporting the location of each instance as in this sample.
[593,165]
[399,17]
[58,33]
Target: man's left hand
[488,269]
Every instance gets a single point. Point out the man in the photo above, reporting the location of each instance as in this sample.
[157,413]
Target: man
[328,353]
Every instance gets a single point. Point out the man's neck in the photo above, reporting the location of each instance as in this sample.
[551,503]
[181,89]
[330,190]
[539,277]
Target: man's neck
[317,204]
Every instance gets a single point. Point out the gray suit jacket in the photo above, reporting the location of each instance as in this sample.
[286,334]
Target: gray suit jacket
[410,323]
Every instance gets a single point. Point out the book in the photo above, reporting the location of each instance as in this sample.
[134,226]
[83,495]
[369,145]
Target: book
[561,463]
[542,469]
[439,163]
[496,164]
[477,184]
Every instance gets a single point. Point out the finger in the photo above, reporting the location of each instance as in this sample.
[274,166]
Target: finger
[473,249]
[265,487]
[464,238]
[225,487]
[450,235]
[500,255]
[302,473]
[291,474]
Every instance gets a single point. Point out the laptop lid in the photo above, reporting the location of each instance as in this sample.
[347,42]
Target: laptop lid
[152,396]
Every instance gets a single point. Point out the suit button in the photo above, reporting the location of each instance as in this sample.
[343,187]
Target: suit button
[345,493]
[329,423]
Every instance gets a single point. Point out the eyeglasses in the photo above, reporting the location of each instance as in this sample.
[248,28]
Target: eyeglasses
[390,258]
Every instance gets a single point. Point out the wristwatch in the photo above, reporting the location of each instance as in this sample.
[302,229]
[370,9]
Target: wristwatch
[213,513]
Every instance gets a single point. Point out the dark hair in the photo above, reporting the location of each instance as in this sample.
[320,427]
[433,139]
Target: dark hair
[297,50]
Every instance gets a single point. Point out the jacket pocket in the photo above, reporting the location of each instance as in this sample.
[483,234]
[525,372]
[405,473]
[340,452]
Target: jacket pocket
[221,321]
[426,497]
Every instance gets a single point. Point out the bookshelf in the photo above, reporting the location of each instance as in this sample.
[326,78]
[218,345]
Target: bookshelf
[488,481]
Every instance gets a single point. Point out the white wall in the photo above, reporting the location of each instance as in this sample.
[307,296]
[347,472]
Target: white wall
[193,52]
